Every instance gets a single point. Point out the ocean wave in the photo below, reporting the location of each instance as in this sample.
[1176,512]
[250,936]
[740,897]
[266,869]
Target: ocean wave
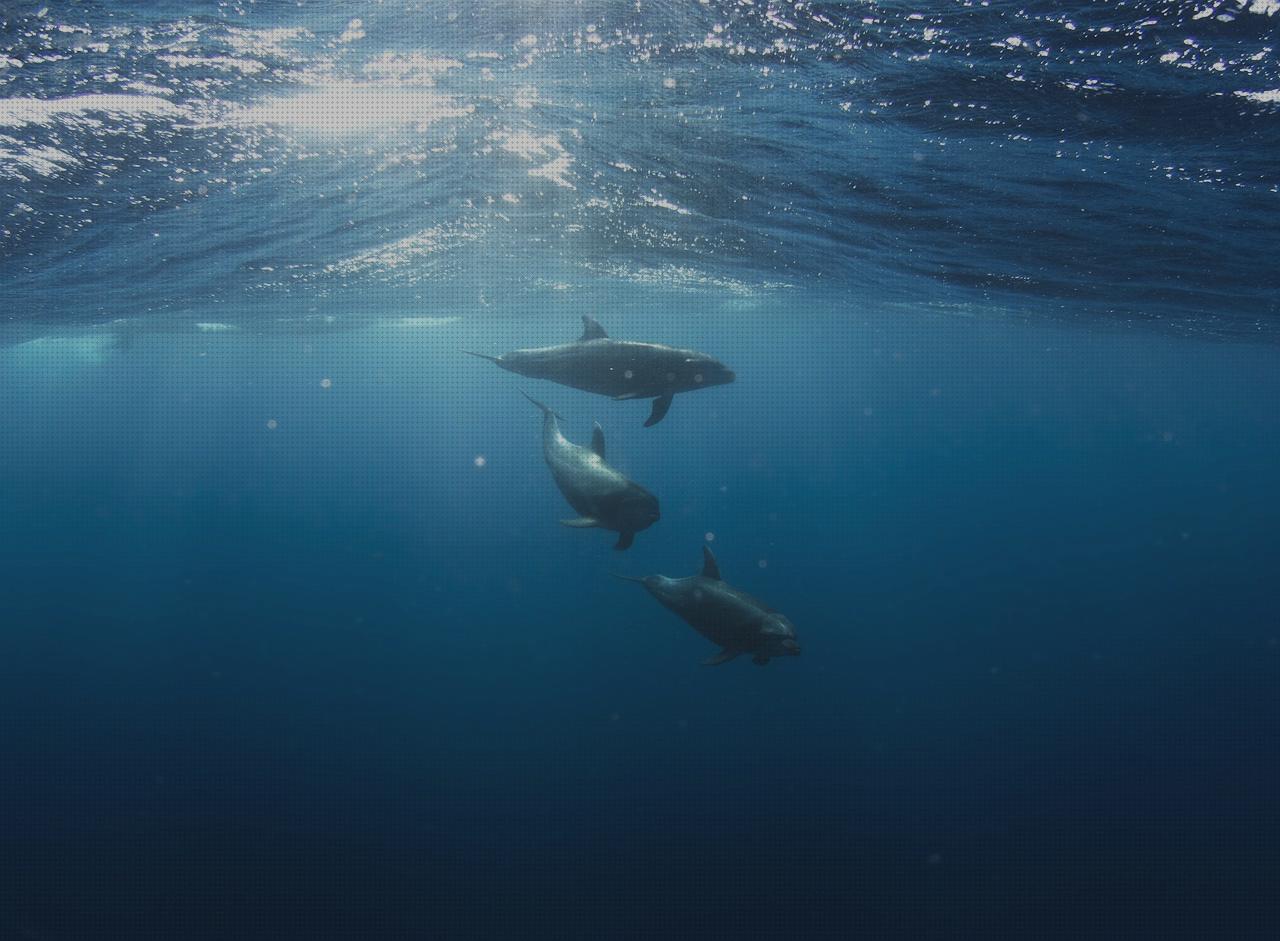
[1051,151]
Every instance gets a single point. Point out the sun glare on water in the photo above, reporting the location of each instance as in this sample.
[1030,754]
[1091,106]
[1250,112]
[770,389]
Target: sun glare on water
[357,108]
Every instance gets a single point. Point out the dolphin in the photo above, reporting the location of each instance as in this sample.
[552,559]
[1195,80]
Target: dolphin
[724,615]
[602,496]
[622,369]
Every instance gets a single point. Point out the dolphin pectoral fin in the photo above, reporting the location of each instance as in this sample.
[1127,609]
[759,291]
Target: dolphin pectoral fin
[591,330]
[624,541]
[723,656]
[759,659]
[597,441]
[582,522]
[661,405]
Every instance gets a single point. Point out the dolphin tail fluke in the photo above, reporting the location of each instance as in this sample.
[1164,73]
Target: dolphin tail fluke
[661,405]
[545,409]
[492,359]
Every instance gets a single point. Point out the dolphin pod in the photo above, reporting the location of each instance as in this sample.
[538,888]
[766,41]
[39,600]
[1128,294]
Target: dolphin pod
[606,499]
[621,369]
[727,617]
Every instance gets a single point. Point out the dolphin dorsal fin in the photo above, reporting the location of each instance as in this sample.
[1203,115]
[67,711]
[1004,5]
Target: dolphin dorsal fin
[710,569]
[597,441]
[591,330]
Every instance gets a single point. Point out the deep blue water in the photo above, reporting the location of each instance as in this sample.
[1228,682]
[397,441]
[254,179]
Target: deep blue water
[291,644]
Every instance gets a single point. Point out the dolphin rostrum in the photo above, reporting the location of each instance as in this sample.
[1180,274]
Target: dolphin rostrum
[600,495]
[725,616]
[623,369]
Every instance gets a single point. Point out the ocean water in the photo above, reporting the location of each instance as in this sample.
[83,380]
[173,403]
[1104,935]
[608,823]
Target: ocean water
[291,643]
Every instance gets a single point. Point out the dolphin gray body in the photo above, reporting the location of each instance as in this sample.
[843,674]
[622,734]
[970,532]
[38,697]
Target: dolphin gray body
[730,618]
[601,496]
[622,369]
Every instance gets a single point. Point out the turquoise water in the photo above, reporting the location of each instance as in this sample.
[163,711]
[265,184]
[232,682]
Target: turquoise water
[293,644]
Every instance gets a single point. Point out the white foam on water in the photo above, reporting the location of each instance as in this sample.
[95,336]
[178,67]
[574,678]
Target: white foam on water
[412,69]
[428,241]
[356,108]
[1270,97]
[532,146]
[19,112]
[661,202]
[20,162]
[353,33]
[275,43]
[220,63]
